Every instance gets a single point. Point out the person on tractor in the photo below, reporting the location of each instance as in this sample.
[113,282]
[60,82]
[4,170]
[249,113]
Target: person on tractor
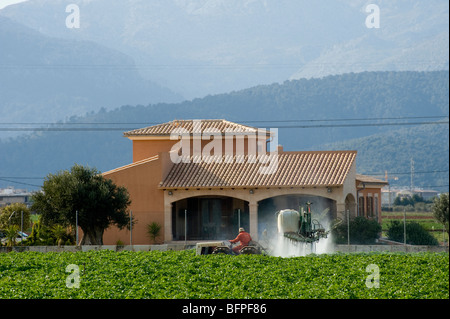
[244,239]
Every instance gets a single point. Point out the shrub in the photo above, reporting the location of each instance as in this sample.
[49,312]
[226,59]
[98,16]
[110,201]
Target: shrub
[12,215]
[362,231]
[153,230]
[415,233]
[42,235]
[11,233]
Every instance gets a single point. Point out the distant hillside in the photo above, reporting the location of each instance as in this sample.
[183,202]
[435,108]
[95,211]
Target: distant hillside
[200,47]
[427,145]
[303,106]
[45,79]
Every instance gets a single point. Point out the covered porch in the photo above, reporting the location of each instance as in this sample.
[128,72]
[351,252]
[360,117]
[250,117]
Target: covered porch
[210,217]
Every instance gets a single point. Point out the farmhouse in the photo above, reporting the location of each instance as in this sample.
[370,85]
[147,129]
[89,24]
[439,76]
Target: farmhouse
[202,179]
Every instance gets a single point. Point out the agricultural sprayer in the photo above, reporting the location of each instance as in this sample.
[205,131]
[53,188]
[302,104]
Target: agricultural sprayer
[299,226]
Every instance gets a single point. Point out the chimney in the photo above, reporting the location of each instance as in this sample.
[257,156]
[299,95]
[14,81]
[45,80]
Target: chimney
[280,148]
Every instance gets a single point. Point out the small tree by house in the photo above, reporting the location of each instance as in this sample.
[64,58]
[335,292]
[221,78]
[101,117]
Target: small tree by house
[11,232]
[153,230]
[59,232]
[83,191]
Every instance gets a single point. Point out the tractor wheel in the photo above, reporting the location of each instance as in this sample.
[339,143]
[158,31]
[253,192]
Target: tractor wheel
[222,250]
[249,250]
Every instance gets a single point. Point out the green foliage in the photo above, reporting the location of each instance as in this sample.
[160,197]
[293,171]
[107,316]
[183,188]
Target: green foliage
[415,233]
[98,201]
[11,232]
[153,230]
[392,150]
[355,95]
[181,274]
[440,210]
[12,215]
[362,231]
[60,232]
[43,235]
[414,201]
[40,235]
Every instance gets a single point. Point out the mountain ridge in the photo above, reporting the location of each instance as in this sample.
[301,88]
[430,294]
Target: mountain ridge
[47,79]
[205,47]
[320,111]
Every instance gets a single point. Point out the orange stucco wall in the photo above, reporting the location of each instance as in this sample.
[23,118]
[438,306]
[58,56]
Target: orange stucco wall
[375,194]
[141,178]
[147,201]
[146,148]
[143,149]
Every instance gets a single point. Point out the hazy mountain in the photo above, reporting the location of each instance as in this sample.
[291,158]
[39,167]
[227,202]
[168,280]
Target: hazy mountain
[200,47]
[307,113]
[392,151]
[46,79]
[413,36]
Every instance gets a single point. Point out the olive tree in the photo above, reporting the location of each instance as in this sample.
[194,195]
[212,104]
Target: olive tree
[440,210]
[83,191]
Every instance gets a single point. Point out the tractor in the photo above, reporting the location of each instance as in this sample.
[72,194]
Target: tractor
[224,247]
[298,226]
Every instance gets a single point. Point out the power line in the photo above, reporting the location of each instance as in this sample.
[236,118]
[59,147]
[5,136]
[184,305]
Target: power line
[415,172]
[241,121]
[363,125]
[349,119]
[370,174]
[21,177]
[105,66]
[20,183]
[99,129]
[408,173]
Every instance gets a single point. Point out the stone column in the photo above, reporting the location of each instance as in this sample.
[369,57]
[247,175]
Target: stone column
[341,211]
[253,208]
[168,222]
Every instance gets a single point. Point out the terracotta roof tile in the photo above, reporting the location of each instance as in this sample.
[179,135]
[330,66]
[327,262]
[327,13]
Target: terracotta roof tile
[324,168]
[196,126]
[369,179]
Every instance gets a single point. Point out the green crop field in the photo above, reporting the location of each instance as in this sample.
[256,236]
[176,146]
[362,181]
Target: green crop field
[182,274]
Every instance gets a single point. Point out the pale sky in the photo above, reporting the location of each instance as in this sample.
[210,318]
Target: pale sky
[5,3]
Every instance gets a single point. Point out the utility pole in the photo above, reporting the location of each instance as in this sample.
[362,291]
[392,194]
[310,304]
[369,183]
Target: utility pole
[21,225]
[76,227]
[185,228]
[404,226]
[348,227]
[412,176]
[131,229]
[239,218]
[395,178]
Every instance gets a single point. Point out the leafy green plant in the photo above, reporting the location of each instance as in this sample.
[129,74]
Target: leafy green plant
[60,232]
[415,233]
[362,231]
[12,215]
[440,210]
[11,232]
[153,230]
[83,194]
[42,235]
[182,274]
[119,243]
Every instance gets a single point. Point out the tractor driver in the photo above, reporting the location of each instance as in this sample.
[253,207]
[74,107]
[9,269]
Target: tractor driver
[244,239]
